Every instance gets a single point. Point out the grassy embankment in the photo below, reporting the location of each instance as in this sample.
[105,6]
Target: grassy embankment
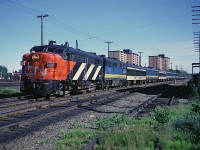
[176,127]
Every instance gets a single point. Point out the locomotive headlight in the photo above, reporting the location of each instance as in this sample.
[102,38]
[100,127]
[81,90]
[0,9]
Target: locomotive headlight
[52,65]
[35,57]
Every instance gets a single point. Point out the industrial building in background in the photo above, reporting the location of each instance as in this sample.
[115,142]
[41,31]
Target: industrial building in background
[159,62]
[126,56]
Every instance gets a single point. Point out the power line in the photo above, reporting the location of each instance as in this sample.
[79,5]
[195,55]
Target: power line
[19,7]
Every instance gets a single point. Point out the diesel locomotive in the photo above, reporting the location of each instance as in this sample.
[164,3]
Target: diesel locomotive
[59,69]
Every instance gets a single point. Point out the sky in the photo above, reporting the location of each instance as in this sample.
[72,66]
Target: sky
[149,26]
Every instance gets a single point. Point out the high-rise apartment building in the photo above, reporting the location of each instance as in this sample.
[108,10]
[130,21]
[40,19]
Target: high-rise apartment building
[166,63]
[155,62]
[159,62]
[126,56]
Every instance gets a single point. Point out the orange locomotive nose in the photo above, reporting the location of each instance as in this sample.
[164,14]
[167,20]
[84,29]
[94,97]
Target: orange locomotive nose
[46,66]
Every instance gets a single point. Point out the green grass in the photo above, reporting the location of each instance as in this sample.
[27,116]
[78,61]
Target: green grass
[142,134]
[137,135]
[131,133]
[7,91]
[75,139]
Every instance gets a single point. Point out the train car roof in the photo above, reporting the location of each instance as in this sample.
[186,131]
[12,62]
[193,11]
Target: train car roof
[113,60]
[58,48]
[171,72]
[152,69]
[162,71]
[81,52]
[135,66]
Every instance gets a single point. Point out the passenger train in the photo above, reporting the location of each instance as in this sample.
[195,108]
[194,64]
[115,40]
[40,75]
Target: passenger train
[59,69]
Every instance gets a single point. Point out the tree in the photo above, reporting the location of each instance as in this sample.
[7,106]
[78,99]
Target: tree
[3,72]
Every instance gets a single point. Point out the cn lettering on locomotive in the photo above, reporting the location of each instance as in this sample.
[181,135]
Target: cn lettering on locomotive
[35,70]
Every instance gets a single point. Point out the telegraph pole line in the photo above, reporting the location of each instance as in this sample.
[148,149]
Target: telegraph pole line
[196,35]
[197,44]
[140,58]
[42,17]
[108,46]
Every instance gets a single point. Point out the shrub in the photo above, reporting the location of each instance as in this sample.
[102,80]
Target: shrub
[196,107]
[76,139]
[162,115]
[189,125]
[108,122]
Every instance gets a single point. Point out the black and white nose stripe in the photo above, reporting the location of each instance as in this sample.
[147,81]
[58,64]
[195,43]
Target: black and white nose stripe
[79,71]
[96,73]
[87,72]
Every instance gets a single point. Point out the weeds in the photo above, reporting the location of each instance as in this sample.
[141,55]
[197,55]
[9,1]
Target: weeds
[75,139]
[162,115]
[108,122]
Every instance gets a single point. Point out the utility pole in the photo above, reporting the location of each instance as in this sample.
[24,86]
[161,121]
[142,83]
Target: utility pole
[1,75]
[197,43]
[171,65]
[140,58]
[42,17]
[196,35]
[108,46]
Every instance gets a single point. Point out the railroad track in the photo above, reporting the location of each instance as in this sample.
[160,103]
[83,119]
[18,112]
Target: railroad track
[10,106]
[39,110]
[44,109]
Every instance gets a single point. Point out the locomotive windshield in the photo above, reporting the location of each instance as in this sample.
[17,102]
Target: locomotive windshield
[38,49]
[62,52]
[59,51]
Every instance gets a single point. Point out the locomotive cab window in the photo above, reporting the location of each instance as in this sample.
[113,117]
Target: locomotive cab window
[63,53]
[38,49]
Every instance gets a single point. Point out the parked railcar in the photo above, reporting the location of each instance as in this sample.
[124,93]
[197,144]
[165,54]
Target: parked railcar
[114,72]
[135,74]
[172,76]
[152,75]
[162,75]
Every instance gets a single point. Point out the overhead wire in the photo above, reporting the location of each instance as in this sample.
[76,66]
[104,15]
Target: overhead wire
[19,7]
[71,29]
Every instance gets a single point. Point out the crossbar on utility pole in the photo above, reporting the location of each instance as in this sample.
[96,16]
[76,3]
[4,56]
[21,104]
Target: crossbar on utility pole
[108,46]
[42,17]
